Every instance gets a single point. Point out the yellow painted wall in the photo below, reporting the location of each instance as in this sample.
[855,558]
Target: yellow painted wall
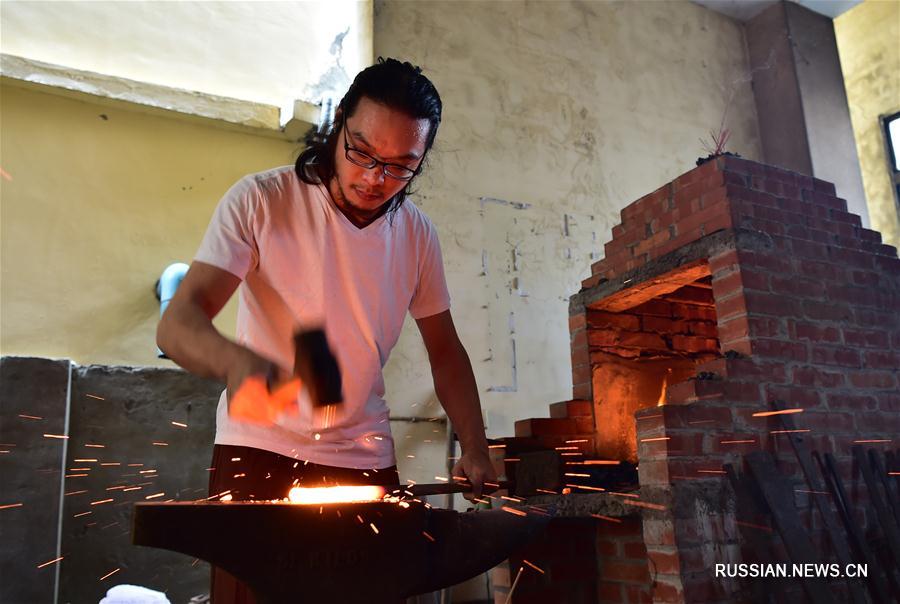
[95,210]
[868,38]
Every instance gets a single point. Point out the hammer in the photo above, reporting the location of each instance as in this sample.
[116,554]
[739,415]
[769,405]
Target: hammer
[317,368]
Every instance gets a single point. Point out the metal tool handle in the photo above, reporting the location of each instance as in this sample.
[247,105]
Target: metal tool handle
[421,490]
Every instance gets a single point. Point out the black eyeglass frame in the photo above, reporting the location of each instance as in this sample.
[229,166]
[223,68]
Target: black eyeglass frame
[374,162]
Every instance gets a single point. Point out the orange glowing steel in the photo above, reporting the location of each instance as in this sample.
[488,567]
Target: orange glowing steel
[301,495]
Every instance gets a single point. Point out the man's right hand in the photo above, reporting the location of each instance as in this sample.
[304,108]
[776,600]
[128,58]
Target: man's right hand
[258,390]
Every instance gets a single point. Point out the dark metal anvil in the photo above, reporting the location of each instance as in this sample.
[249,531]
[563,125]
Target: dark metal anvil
[347,552]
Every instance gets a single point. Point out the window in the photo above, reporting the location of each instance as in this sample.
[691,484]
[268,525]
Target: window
[892,133]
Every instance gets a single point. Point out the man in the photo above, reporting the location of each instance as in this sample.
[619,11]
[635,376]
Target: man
[330,241]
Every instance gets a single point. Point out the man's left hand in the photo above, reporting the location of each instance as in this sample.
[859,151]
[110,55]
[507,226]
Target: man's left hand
[476,468]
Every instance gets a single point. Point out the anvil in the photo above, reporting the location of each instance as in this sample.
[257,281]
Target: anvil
[377,551]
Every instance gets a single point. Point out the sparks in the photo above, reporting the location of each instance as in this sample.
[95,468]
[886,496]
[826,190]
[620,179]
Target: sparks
[533,566]
[787,431]
[55,436]
[657,439]
[84,460]
[513,588]
[101,501]
[99,398]
[82,514]
[881,440]
[427,536]
[644,504]
[179,424]
[11,505]
[581,486]
[110,574]
[781,412]
[513,511]
[160,444]
[374,528]
[96,446]
[154,496]
[736,442]
[607,518]
[30,416]
[49,562]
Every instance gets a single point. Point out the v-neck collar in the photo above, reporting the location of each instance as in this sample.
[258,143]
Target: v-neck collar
[375,225]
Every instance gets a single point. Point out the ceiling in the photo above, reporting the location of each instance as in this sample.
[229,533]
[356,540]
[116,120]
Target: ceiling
[742,10]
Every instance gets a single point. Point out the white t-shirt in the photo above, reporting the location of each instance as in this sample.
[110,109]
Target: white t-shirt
[303,263]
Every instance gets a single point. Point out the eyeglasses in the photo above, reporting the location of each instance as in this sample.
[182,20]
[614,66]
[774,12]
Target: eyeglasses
[365,160]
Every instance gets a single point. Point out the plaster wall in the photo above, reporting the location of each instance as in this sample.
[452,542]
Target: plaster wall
[98,202]
[870,59]
[556,116]
[269,52]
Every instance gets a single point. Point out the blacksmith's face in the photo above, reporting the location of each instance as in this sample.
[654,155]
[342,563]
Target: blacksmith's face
[377,132]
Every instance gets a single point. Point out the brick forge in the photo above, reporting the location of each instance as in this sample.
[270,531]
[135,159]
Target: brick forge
[731,286]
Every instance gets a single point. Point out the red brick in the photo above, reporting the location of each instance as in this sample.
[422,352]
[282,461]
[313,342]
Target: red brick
[793,396]
[665,562]
[880,380]
[889,402]
[609,591]
[826,422]
[694,312]
[601,319]
[639,594]
[822,270]
[723,261]
[841,356]
[654,307]
[731,307]
[858,402]
[825,311]
[658,531]
[582,390]
[694,344]
[635,550]
[814,332]
[733,329]
[702,328]
[608,547]
[780,349]
[881,360]
[577,322]
[811,376]
[581,373]
[541,426]
[634,572]
[771,304]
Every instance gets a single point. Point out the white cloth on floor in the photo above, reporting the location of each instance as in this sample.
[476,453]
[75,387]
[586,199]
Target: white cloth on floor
[134,594]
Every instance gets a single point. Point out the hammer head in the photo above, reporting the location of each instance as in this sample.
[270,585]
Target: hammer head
[317,368]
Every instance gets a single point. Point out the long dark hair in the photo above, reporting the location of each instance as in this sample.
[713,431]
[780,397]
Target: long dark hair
[398,85]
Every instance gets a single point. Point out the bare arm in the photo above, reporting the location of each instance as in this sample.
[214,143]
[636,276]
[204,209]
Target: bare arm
[187,336]
[454,383]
